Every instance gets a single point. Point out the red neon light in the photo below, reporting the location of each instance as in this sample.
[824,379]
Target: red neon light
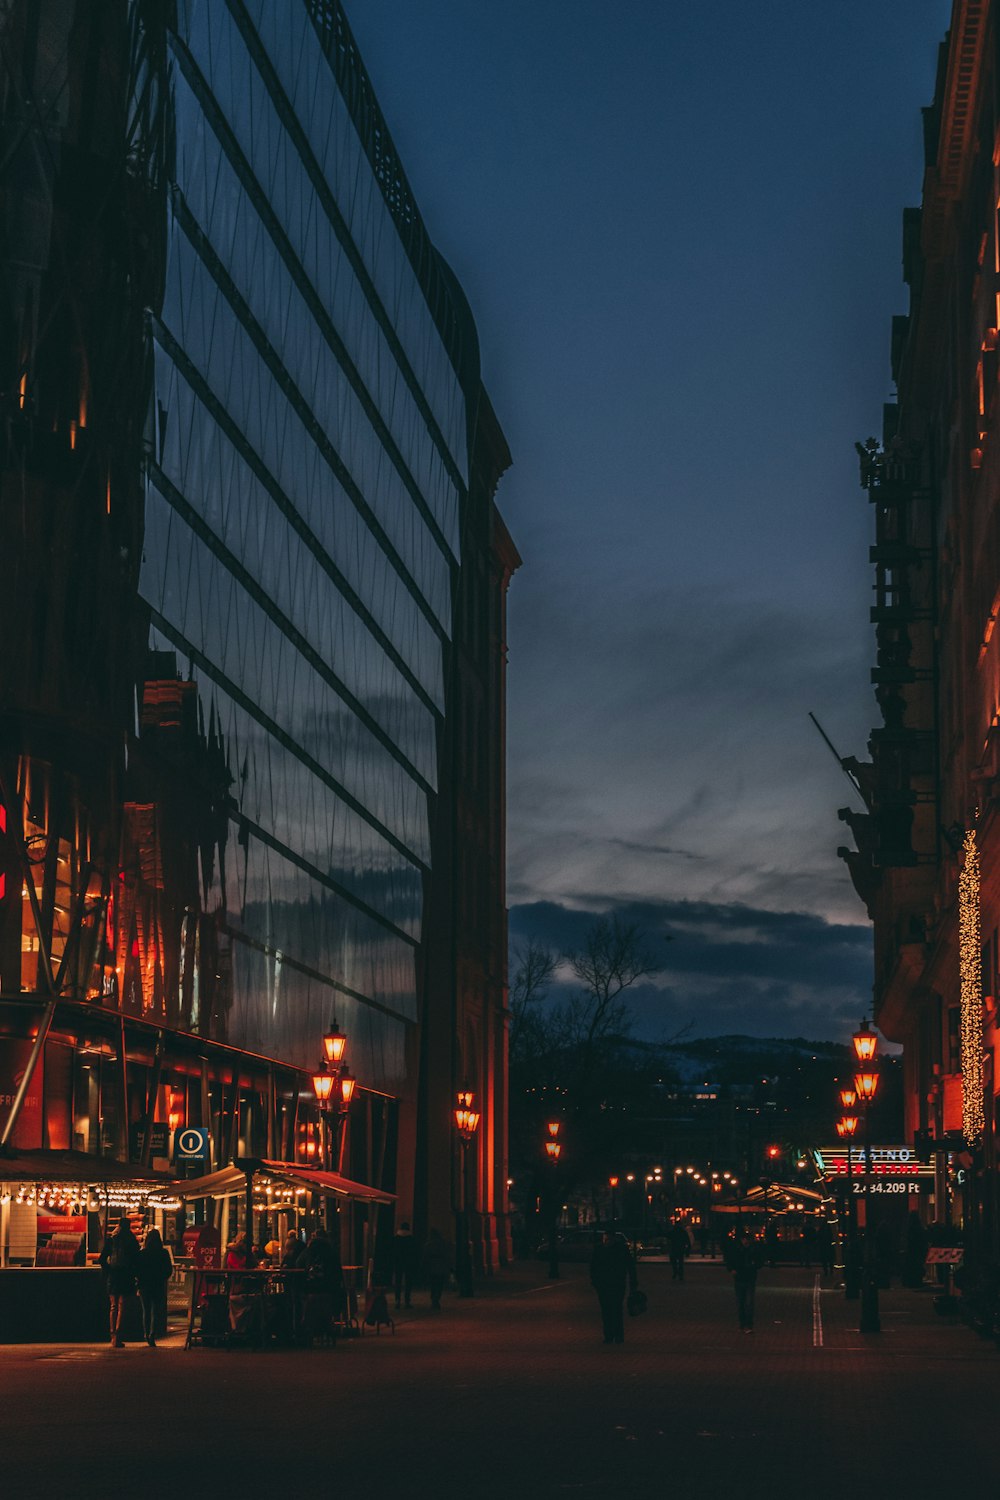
[838,1166]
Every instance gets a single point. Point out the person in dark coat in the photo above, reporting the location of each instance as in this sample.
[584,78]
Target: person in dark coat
[292,1252]
[324,1285]
[678,1246]
[612,1268]
[404,1259]
[437,1264]
[321,1263]
[154,1269]
[119,1260]
[743,1260]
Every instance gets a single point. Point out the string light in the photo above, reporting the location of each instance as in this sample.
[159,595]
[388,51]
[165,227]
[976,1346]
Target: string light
[970,970]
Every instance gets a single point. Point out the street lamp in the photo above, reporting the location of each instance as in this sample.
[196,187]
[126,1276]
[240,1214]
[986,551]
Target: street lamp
[866,1082]
[553,1150]
[613,1185]
[334,1045]
[333,1084]
[865,1043]
[466,1124]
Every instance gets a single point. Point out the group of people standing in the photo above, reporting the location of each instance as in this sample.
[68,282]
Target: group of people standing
[128,1267]
[146,1268]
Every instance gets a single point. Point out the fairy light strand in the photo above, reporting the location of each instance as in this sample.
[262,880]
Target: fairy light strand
[970,971]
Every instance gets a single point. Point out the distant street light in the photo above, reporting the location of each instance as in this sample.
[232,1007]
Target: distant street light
[866,1082]
[466,1124]
[553,1150]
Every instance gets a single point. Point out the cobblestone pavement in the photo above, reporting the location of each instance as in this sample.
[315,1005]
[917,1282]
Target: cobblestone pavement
[514,1393]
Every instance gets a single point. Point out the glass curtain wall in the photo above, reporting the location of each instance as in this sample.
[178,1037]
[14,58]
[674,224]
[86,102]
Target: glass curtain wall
[306,479]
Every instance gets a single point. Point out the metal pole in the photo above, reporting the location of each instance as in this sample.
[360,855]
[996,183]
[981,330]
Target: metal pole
[870,1322]
[48,1015]
[23,1087]
[852,1289]
[553,1235]
[463,1257]
[150,1115]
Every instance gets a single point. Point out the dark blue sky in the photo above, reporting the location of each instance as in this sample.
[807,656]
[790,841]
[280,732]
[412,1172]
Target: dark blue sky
[678,225]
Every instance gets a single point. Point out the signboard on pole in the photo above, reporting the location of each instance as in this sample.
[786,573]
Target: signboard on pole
[894,1169]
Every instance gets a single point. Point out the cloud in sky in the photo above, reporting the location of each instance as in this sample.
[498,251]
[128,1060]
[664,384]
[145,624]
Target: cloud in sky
[727,967]
[679,760]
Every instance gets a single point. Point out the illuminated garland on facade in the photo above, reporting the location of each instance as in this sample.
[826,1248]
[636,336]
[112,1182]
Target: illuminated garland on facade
[970,970]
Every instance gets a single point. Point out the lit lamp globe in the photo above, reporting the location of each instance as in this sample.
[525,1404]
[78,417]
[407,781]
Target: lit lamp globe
[322,1083]
[866,1084]
[347,1082]
[848,1098]
[553,1150]
[334,1043]
[865,1043]
[466,1118]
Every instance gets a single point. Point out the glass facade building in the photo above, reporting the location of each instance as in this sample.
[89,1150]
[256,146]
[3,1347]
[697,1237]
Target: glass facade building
[236,816]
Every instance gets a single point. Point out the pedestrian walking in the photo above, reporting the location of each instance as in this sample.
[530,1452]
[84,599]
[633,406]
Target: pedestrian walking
[404,1259]
[118,1260]
[154,1269]
[612,1268]
[678,1248]
[743,1260]
[437,1263]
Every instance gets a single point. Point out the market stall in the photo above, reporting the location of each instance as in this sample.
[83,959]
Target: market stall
[55,1209]
[274,1197]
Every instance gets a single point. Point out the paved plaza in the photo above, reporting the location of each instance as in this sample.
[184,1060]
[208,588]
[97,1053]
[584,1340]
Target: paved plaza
[514,1394]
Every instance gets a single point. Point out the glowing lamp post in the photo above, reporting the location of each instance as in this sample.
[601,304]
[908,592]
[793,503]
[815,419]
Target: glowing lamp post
[846,1128]
[333,1084]
[613,1185]
[553,1150]
[466,1118]
[866,1082]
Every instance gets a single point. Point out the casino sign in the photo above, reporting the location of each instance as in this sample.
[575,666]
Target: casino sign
[894,1169]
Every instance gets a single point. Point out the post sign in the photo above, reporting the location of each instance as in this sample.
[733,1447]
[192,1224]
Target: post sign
[203,1243]
[192,1144]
